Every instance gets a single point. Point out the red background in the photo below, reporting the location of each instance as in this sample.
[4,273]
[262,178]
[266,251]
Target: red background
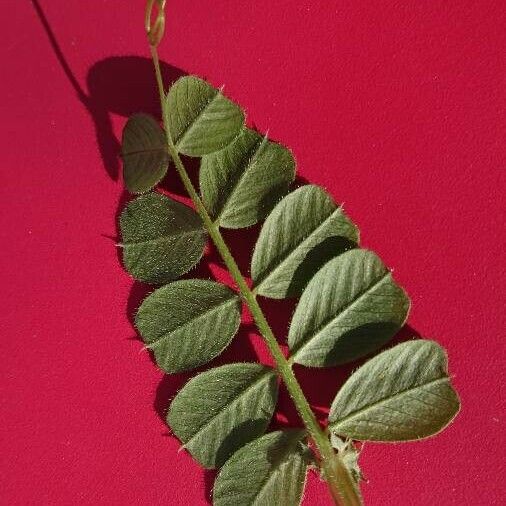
[397,108]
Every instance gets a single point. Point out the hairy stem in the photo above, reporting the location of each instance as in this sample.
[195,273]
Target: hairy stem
[341,485]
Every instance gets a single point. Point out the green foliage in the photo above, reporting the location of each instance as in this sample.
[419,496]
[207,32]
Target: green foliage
[188,323]
[162,238]
[303,231]
[144,153]
[201,119]
[401,394]
[268,471]
[351,307]
[241,183]
[220,410]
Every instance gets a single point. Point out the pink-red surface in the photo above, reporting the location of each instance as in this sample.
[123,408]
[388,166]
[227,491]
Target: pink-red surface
[397,108]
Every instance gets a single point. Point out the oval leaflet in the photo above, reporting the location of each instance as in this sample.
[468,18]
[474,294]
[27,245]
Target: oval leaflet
[351,307]
[241,183]
[401,394]
[188,323]
[162,238]
[220,410]
[268,471]
[144,153]
[303,232]
[201,119]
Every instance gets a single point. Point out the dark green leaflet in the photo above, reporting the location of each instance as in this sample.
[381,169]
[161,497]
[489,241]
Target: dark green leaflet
[187,323]
[220,410]
[242,183]
[144,153]
[161,238]
[268,471]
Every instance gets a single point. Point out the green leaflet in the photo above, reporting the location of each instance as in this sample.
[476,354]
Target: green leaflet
[201,119]
[304,231]
[188,323]
[268,471]
[241,184]
[162,238]
[220,410]
[144,153]
[351,307]
[401,394]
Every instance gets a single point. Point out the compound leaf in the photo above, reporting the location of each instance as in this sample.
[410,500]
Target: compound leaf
[188,323]
[162,238]
[144,153]
[304,231]
[351,307]
[241,184]
[201,119]
[268,471]
[222,409]
[401,394]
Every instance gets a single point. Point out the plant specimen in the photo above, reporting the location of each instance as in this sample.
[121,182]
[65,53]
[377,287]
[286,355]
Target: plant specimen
[349,304]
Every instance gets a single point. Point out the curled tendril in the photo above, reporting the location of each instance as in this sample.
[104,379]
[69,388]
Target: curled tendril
[156,29]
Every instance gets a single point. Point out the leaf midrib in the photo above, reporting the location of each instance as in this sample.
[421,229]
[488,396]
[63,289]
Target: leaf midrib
[226,406]
[162,238]
[331,320]
[166,335]
[358,412]
[160,149]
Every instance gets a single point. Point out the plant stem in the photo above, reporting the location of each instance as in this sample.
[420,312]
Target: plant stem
[341,484]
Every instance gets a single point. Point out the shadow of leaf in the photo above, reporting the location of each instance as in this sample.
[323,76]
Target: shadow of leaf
[238,437]
[328,249]
[360,341]
[122,85]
